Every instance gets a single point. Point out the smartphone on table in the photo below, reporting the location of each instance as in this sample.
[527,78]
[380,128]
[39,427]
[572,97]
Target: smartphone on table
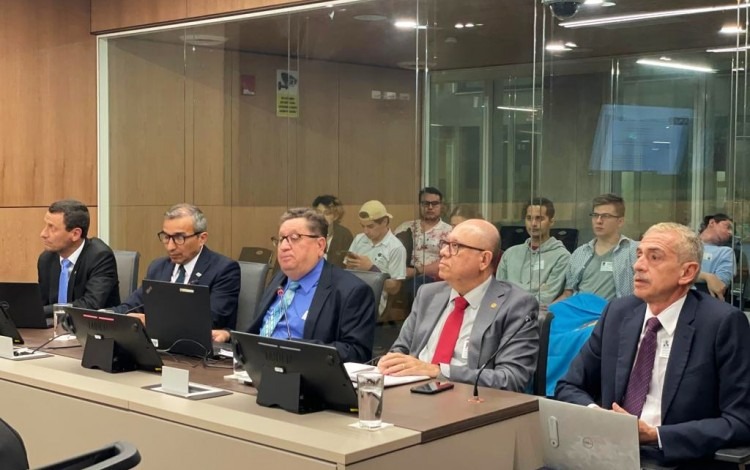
[431,388]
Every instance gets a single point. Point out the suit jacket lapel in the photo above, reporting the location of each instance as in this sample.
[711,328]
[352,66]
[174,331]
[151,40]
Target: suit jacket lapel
[432,313]
[486,316]
[319,299]
[630,334]
[679,353]
[201,266]
[76,267]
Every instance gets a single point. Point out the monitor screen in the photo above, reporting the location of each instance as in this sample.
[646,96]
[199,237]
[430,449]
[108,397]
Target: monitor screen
[641,139]
[113,342]
[275,364]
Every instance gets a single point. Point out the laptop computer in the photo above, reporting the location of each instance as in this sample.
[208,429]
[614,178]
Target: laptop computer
[178,317]
[7,327]
[582,438]
[24,304]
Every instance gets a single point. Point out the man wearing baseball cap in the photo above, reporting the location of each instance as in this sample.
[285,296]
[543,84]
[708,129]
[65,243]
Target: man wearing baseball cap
[377,249]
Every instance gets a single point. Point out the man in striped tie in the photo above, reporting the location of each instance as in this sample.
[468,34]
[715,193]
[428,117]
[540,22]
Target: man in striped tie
[458,325]
[676,358]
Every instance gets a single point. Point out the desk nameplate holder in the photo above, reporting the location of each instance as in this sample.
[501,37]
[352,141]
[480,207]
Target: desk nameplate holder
[107,355]
[176,382]
[21,354]
[287,391]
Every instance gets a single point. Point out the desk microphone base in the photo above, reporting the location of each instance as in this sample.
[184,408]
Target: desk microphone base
[105,354]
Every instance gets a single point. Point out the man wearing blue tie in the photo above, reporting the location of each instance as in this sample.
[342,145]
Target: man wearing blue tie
[311,299]
[73,268]
[184,233]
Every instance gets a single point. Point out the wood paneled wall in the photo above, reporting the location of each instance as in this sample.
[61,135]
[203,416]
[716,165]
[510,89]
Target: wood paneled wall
[48,123]
[112,15]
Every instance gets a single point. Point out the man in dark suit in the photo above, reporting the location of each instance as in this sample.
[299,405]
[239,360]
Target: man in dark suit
[312,300]
[89,277]
[457,325]
[676,358]
[189,261]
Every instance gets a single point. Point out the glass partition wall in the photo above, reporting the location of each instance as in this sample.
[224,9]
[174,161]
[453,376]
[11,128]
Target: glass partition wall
[493,102]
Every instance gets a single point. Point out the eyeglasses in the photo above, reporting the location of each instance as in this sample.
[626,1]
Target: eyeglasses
[177,238]
[453,247]
[605,216]
[292,238]
[430,203]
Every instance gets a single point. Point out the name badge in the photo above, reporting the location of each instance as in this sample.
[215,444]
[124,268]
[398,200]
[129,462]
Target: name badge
[707,256]
[538,266]
[465,350]
[607,266]
[666,347]
[304,315]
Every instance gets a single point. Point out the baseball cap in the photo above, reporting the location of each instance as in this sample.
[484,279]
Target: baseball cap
[373,210]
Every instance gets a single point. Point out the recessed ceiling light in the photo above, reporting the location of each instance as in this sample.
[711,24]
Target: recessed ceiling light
[738,69]
[571,44]
[729,49]
[665,58]
[608,4]
[593,2]
[732,29]
[557,47]
[408,24]
[370,17]
[459,26]
[675,65]
[469,25]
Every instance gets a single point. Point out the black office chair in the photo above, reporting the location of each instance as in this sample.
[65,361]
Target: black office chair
[540,375]
[568,237]
[127,271]
[253,281]
[255,254]
[736,455]
[375,280]
[511,235]
[12,451]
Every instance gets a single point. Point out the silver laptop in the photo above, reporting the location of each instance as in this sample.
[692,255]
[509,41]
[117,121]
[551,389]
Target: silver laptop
[582,438]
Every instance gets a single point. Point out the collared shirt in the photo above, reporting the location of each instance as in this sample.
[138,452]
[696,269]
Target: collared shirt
[623,258]
[296,314]
[73,258]
[719,260]
[651,413]
[189,266]
[461,352]
[426,250]
[388,255]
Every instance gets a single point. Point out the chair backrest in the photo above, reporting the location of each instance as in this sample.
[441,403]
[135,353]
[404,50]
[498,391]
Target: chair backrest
[544,320]
[407,239]
[12,451]
[119,455]
[511,235]
[568,237]
[127,272]
[375,280]
[251,289]
[255,254]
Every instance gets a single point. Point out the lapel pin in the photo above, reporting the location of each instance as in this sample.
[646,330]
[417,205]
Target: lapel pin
[493,305]
[198,274]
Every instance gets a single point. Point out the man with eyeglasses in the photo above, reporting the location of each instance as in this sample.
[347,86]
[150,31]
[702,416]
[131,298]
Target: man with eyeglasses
[427,231]
[74,268]
[311,299]
[189,261]
[603,266]
[457,325]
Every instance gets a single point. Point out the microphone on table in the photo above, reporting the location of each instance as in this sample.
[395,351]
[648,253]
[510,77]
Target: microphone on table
[280,293]
[475,398]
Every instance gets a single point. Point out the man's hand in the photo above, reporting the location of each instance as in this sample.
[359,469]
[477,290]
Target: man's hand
[361,262]
[220,336]
[646,434]
[714,284]
[399,364]
[140,316]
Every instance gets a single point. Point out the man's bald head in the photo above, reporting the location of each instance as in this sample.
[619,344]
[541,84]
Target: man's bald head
[485,234]
[466,258]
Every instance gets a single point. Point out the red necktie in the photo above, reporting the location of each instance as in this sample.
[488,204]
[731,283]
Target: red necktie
[449,335]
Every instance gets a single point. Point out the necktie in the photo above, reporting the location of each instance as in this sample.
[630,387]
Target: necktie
[273,318]
[449,335]
[180,275]
[640,376]
[62,286]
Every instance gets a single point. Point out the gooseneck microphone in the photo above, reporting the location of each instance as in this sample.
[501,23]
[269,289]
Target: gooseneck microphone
[280,293]
[475,398]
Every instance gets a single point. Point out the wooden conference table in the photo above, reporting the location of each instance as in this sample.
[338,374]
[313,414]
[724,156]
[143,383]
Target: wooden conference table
[61,409]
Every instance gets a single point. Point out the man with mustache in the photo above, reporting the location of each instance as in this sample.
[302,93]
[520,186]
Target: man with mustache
[676,358]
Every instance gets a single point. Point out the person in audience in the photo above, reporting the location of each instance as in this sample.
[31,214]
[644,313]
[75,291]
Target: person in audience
[311,299]
[603,266]
[377,249]
[73,268]
[457,325]
[461,213]
[184,234]
[538,266]
[718,267]
[676,358]
[339,237]
[426,232]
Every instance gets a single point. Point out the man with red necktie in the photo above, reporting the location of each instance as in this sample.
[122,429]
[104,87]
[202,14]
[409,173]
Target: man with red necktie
[456,325]
[676,358]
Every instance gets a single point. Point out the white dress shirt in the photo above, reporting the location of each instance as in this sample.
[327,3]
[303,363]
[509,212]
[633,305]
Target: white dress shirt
[189,266]
[73,258]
